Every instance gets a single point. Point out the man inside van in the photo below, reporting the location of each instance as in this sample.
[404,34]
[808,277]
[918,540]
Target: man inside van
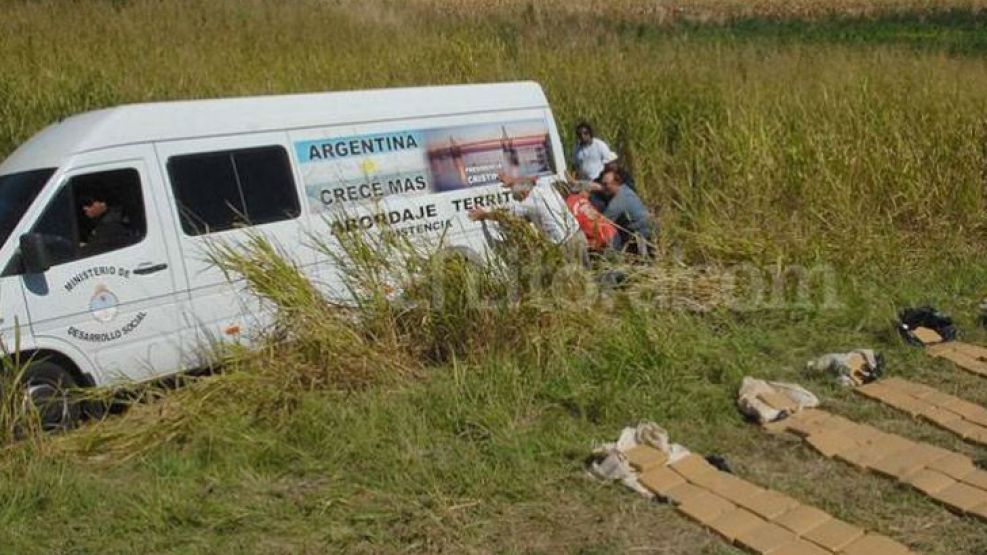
[109,230]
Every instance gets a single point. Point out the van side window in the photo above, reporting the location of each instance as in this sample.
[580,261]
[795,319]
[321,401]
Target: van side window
[217,191]
[92,214]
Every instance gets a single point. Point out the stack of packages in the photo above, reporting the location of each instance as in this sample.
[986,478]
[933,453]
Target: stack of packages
[963,418]
[753,518]
[948,477]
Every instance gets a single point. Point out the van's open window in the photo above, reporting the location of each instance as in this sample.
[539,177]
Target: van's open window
[217,191]
[17,192]
[92,214]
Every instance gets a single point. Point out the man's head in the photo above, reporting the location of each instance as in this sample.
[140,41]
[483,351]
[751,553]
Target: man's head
[93,206]
[584,133]
[520,191]
[581,188]
[612,181]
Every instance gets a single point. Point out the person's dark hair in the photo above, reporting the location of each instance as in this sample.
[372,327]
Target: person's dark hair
[618,173]
[87,199]
[584,125]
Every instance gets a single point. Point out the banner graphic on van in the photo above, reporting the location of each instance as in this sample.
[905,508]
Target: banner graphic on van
[472,156]
[360,169]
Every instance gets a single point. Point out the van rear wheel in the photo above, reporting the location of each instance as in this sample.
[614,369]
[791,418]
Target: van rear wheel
[48,387]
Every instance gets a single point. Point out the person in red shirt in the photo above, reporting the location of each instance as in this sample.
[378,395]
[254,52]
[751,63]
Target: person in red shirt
[599,231]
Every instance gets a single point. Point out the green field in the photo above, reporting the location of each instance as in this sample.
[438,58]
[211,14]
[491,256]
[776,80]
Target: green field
[849,141]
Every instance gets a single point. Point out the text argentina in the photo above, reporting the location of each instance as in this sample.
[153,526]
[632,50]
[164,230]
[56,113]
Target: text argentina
[361,146]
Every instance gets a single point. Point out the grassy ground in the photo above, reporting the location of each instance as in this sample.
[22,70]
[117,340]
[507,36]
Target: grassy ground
[852,145]
[487,455]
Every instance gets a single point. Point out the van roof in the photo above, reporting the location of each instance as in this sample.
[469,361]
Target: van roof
[163,121]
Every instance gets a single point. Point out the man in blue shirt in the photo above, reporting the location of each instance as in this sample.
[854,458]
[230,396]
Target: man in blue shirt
[625,209]
[597,196]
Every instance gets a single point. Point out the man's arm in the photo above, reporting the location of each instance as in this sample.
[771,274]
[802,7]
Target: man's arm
[515,209]
[478,214]
[615,209]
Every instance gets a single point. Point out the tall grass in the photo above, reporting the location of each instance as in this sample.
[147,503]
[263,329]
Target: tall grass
[438,303]
[19,420]
[410,308]
[688,11]
[858,159]
[746,149]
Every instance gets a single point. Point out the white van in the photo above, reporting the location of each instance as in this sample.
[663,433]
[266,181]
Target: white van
[105,216]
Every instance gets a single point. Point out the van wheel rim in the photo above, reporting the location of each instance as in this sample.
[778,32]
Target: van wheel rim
[42,396]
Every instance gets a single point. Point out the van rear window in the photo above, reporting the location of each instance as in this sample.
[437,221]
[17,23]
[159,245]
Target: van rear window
[221,190]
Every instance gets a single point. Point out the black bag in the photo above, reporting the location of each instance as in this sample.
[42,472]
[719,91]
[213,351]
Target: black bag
[925,317]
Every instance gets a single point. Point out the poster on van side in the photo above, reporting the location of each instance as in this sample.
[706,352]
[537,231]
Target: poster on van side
[472,156]
[358,170]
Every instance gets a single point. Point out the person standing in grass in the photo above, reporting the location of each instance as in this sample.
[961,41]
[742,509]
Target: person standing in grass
[636,229]
[590,154]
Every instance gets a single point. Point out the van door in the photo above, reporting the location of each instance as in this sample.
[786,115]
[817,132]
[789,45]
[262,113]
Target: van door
[223,191]
[18,192]
[111,290]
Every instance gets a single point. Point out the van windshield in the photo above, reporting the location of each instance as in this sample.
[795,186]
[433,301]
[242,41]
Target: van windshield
[17,191]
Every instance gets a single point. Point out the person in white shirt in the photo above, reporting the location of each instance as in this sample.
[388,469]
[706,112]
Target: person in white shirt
[590,154]
[540,204]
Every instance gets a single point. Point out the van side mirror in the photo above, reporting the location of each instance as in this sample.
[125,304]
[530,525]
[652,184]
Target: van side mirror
[34,253]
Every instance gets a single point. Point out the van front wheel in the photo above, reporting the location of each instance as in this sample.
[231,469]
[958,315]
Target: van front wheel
[48,387]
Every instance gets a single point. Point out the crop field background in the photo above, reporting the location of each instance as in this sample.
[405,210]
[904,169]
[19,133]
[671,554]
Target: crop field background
[845,138]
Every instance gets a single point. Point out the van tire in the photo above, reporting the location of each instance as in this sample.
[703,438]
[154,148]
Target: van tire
[49,387]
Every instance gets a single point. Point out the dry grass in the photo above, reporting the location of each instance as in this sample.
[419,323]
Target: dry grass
[691,11]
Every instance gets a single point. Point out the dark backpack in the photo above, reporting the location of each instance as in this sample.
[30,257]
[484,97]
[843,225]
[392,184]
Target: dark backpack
[925,317]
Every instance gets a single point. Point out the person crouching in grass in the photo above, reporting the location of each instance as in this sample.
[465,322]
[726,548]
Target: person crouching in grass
[635,225]
[538,203]
[598,230]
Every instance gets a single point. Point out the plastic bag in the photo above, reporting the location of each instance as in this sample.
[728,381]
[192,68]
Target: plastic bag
[765,402]
[609,462]
[851,369]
